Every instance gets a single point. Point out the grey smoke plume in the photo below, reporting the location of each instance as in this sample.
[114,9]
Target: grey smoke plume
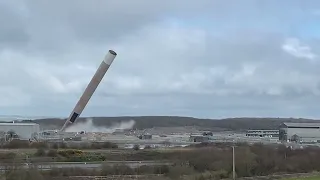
[88,126]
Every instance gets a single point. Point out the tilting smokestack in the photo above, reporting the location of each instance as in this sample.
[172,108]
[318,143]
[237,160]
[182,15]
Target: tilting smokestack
[92,86]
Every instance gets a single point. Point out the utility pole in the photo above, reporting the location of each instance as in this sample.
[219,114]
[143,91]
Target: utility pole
[233,165]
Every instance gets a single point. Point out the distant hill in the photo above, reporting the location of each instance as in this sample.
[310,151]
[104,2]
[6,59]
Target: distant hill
[143,122]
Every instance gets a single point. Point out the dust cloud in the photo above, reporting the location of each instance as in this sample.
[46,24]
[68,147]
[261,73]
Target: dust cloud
[88,126]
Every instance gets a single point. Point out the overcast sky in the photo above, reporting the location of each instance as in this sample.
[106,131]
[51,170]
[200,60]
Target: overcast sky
[206,58]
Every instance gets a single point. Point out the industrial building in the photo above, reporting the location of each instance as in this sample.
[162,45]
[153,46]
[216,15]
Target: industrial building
[299,132]
[23,131]
[199,138]
[145,136]
[49,135]
[262,133]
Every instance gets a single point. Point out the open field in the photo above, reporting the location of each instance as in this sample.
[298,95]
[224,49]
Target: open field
[257,157]
[304,178]
[86,165]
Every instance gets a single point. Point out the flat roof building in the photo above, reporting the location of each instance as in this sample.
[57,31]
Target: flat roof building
[299,132]
[262,133]
[24,131]
[145,136]
[199,138]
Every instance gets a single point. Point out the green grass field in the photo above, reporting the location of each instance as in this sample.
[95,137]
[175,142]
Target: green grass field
[305,178]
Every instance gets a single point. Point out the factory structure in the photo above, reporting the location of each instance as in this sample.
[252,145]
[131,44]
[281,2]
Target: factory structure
[23,131]
[290,132]
[304,133]
[262,133]
[300,132]
[199,138]
[287,132]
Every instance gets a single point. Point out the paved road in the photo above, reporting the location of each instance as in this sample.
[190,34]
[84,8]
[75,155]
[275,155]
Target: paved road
[132,164]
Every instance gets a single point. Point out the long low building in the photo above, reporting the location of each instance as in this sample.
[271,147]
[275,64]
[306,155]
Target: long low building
[300,132]
[262,133]
[23,130]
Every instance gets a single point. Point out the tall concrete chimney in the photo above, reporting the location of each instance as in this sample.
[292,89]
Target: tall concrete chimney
[92,86]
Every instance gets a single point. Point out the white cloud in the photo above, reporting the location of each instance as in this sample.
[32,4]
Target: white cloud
[294,47]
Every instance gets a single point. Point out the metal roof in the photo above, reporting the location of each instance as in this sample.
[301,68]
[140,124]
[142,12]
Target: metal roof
[262,130]
[302,124]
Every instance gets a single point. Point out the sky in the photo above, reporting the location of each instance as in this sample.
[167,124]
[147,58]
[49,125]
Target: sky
[206,59]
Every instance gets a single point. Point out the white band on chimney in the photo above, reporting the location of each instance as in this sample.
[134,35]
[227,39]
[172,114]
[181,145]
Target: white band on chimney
[110,57]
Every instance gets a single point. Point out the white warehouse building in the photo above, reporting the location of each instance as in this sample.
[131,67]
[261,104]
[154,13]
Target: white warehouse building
[302,132]
[23,130]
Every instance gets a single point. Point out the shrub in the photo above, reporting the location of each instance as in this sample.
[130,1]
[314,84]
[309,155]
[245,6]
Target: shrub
[221,174]
[109,145]
[147,147]
[70,152]
[136,147]
[39,145]
[65,172]
[118,169]
[7,157]
[30,174]
[178,171]
[16,143]
[52,153]
[40,152]
[86,158]
[62,145]
[164,169]
[55,146]
[104,145]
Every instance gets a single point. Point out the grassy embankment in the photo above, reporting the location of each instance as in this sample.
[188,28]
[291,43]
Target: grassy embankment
[304,178]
